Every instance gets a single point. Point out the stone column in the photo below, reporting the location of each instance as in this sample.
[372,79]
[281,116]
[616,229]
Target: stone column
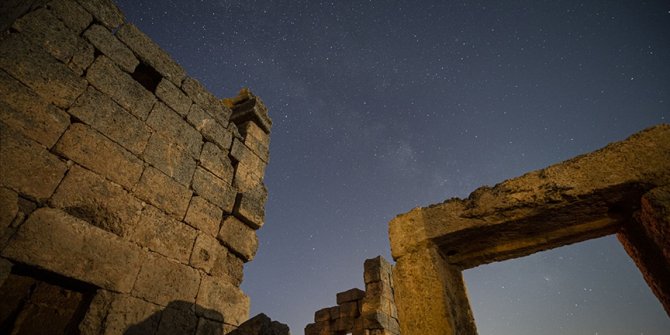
[430,295]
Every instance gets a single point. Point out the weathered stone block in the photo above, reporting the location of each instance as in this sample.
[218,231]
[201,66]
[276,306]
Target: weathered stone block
[94,320]
[245,156]
[104,11]
[217,162]
[229,267]
[96,152]
[334,312]
[34,67]
[256,140]
[169,157]
[218,295]
[204,215]
[121,87]
[151,53]
[28,113]
[239,238]
[214,189]
[349,310]
[318,328]
[109,45]
[161,281]
[27,167]
[164,235]
[129,315]
[89,197]
[53,240]
[209,103]
[164,192]
[174,97]
[322,315]
[210,129]
[250,208]
[210,327]
[261,324]
[167,122]
[351,295]
[72,14]
[207,251]
[377,269]
[9,207]
[177,319]
[106,116]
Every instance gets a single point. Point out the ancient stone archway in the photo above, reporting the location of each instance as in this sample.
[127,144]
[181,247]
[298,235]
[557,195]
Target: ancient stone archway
[622,189]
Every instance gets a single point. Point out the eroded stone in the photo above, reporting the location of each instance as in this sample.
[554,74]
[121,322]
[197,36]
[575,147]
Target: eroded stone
[238,237]
[223,297]
[161,281]
[217,162]
[172,96]
[169,157]
[204,215]
[109,45]
[214,189]
[164,235]
[163,192]
[171,125]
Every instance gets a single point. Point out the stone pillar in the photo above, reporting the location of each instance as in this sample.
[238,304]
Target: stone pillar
[646,238]
[430,295]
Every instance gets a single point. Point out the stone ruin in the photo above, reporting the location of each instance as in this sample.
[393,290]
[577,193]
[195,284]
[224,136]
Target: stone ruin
[369,312]
[130,196]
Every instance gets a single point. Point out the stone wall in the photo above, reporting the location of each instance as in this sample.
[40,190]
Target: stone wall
[127,190]
[369,312]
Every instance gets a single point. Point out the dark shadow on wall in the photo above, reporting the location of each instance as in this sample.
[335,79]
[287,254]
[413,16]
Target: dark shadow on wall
[180,318]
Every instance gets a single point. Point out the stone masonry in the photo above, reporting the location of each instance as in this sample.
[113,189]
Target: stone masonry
[130,196]
[369,312]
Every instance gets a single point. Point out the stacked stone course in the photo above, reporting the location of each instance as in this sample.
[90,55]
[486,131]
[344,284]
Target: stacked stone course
[369,312]
[122,175]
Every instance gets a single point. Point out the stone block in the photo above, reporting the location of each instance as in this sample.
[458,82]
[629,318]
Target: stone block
[167,122]
[104,11]
[89,197]
[377,292]
[318,328]
[351,295]
[53,240]
[163,192]
[228,267]
[44,29]
[72,14]
[174,97]
[225,298]
[334,312]
[93,321]
[214,189]
[128,315]
[161,281]
[121,87]
[250,208]
[178,319]
[217,162]
[261,324]
[256,140]
[169,157]
[245,156]
[89,148]
[210,129]
[9,207]
[209,103]
[149,52]
[207,251]
[164,235]
[239,238]
[343,324]
[204,216]
[27,167]
[110,46]
[210,327]
[27,113]
[377,269]
[33,66]
[322,315]
[104,115]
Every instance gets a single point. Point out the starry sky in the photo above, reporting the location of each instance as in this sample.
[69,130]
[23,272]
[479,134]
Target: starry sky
[382,106]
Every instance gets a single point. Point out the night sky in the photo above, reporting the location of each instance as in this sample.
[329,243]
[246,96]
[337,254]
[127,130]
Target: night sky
[382,106]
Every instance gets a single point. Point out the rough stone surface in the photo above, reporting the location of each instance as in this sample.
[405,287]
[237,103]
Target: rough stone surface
[164,235]
[207,252]
[215,294]
[121,87]
[72,14]
[211,130]
[163,192]
[210,327]
[89,197]
[256,140]
[161,281]
[214,189]
[33,66]
[104,11]
[169,157]
[106,116]
[151,53]
[174,97]
[54,240]
[29,114]
[93,321]
[206,100]
[171,125]
[217,162]
[251,208]
[129,315]
[27,167]
[229,267]
[239,238]
[9,207]
[204,216]
[109,45]
[89,148]
[177,319]
[261,324]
